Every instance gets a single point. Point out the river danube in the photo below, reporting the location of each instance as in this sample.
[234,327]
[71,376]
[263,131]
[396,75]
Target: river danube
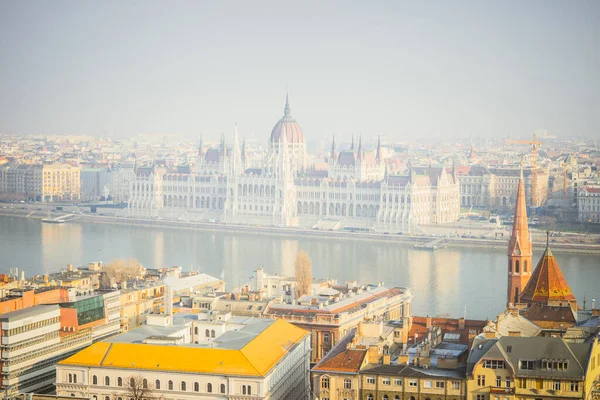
[447,281]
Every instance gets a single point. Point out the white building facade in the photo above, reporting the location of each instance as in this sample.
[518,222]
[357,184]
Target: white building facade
[588,203]
[355,191]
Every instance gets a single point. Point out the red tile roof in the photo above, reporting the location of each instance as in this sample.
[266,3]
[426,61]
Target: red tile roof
[547,283]
[346,361]
[448,325]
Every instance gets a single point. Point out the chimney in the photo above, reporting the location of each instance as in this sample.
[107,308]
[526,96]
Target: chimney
[251,296]
[429,322]
[45,278]
[227,296]
[69,267]
[386,359]
[461,323]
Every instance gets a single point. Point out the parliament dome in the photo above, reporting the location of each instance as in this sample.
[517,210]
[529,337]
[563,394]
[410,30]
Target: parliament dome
[287,126]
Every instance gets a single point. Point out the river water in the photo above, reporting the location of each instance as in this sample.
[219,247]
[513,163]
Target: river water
[447,281]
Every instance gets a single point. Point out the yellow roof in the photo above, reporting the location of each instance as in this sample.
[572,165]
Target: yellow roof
[256,358]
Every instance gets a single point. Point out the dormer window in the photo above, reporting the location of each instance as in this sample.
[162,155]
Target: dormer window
[528,365]
[494,364]
[555,365]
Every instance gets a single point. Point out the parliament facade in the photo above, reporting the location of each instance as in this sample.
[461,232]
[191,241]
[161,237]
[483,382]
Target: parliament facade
[355,192]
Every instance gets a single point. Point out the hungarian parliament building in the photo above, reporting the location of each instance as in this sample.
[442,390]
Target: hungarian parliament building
[354,192]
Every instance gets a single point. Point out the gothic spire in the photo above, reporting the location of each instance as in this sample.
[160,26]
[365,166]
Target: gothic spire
[332,155]
[244,155]
[352,148]
[201,146]
[223,148]
[359,153]
[378,156]
[519,243]
[287,111]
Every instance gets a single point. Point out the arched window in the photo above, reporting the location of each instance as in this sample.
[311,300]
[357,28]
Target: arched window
[243,389]
[183,387]
[385,397]
[119,381]
[212,333]
[222,384]
[249,389]
[70,378]
[74,378]
[145,383]
[369,396]
[196,330]
[106,381]
[94,380]
[396,397]
[207,333]
[196,387]
[170,385]
[517,267]
[157,384]
[209,387]
[106,398]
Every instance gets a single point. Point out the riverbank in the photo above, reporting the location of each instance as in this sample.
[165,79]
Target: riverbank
[449,242]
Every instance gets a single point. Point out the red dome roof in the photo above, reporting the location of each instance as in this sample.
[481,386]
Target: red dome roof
[287,126]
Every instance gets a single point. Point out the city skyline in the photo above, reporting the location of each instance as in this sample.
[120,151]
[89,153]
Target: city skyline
[400,69]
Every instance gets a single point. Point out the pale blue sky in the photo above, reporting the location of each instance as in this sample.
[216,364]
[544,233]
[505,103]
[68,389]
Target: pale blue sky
[406,69]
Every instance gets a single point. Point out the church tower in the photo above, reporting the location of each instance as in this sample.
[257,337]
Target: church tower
[519,249]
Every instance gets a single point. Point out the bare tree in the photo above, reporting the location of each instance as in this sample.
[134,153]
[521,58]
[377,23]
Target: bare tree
[120,270]
[138,388]
[303,274]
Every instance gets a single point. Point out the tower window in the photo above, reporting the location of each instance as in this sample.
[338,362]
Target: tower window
[517,267]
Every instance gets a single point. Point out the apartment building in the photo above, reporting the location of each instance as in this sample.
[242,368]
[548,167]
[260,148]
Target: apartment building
[40,328]
[37,182]
[533,368]
[333,312]
[588,203]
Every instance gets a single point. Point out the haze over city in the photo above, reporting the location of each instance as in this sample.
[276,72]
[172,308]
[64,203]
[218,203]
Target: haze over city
[426,70]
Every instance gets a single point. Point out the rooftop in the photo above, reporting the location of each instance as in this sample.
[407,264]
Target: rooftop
[28,312]
[261,352]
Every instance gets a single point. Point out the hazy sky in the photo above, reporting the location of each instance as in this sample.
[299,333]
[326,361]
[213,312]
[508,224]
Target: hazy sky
[406,69]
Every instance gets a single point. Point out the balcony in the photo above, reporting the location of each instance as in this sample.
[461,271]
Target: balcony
[347,394]
[501,390]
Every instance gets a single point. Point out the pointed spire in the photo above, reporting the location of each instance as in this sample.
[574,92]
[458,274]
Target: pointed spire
[223,148]
[359,152]
[378,155]
[332,155]
[244,155]
[201,146]
[519,243]
[352,148]
[386,175]
[287,111]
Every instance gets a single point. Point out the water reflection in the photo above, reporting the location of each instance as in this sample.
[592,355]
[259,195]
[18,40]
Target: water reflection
[444,281]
